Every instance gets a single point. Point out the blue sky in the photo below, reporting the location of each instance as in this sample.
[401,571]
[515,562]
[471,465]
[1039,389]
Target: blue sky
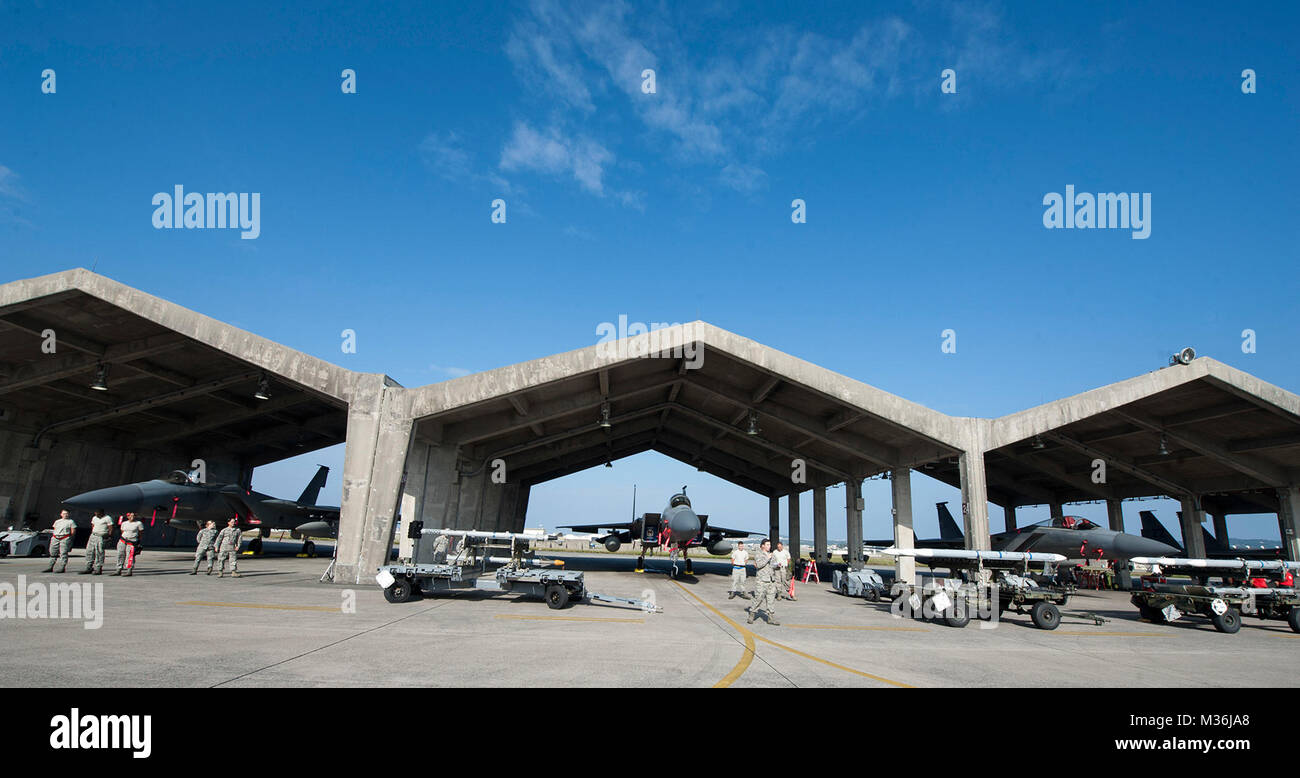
[924,209]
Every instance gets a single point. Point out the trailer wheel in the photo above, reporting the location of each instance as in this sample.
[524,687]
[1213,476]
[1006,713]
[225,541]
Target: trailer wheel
[1293,618]
[556,596]
[39,551]
[1150,614]
[1045,615]
[955,617]
[844,587]
[872,595]
[400,591]
[1229,622]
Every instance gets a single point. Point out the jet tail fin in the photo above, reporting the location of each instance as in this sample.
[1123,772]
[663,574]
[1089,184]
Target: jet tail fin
[311,494]
[1152,529]
[948,527]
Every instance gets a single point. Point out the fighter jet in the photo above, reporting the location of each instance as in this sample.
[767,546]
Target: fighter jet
[185,504]
[1073,537]
[677,529]
[1215,548]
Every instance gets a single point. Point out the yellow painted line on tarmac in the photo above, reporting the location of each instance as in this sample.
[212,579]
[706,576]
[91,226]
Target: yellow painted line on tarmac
[862,629]
[745,658]
[1115,634]
[321,608]
[564,618]
[750,637]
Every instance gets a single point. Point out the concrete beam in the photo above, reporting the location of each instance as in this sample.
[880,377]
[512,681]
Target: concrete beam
[58,368]
[1169,487]
[774,519]
[1254,467]
[974,500]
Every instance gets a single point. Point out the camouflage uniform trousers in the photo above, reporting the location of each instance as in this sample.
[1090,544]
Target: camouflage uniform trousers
[95,554]
[764,598]
[59,549]
[738,580]
[200,553]
[123,549]
[224,553]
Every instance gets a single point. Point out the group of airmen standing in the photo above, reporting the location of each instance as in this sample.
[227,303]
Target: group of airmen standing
[222,546]
[771,578]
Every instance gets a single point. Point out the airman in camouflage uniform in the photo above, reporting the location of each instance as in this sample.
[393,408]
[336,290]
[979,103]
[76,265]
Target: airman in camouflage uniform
[228,548]
[61,542]
[767,574]
[128,544]
[207,540]
[101,529]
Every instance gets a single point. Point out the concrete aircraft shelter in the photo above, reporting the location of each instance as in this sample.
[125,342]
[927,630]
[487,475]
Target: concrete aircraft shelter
[465,453]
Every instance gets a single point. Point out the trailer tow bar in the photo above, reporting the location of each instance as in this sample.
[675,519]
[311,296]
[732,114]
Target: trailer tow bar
[647,606]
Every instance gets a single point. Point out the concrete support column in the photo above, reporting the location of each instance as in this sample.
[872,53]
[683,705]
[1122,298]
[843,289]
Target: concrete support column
[1192,518]
[1009,516]
[974,499]
[792,526]
[774,519]
[853,519]
[378,441]
[819,524]
[521,509]
[1115,514]
[413,491]
[1220,528]
[1288,520]
[901,487]
[1056,510]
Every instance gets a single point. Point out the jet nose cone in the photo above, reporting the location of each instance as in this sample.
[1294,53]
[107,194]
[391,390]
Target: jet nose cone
[684,524]
[114,499]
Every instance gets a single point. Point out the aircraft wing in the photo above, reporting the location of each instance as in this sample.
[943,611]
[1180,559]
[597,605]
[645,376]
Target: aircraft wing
[726,532]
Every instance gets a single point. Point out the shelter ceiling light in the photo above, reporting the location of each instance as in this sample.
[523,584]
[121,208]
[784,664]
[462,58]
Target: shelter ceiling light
[1164,445]
[753,424]
[263,389]
[604,415]
[101,380]
[1039,445]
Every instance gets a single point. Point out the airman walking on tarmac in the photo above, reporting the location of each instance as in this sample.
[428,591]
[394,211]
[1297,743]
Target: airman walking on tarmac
[61,542]
[207,539]
[228,548]
[101,529]
[767,574]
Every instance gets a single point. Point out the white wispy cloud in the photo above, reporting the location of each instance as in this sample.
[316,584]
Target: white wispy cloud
[554,153]
[12,196]
[450,372]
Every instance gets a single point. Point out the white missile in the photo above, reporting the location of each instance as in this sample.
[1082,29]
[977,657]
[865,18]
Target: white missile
[969,553]
[476,534]
[1218,564]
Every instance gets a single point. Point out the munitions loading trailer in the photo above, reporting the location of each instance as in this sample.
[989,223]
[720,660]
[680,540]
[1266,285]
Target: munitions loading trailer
[953,601]
[863,582]
[466,568]
[1164,603]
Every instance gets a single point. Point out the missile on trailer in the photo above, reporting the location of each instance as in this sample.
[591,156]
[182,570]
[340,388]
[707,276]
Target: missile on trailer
[974,554]
[1218,564]
[475,534]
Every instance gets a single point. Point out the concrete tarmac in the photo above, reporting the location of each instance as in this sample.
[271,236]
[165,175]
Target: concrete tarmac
[276,626]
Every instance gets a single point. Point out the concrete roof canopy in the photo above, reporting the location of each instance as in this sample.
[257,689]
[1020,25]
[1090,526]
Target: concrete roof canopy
[1203,429]
[686,391]
[178,381]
